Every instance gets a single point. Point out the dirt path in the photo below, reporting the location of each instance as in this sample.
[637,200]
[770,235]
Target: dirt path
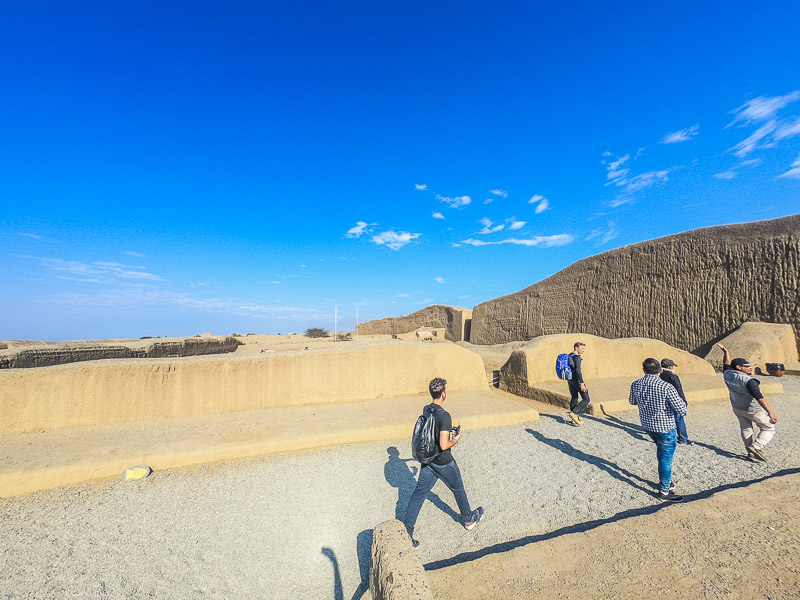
[741,543]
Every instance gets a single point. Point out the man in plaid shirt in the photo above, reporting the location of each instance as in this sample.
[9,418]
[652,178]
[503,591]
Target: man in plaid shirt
[658,403]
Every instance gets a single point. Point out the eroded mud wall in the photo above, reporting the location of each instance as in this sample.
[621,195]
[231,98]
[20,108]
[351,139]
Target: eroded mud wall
[451,318]
[687,289]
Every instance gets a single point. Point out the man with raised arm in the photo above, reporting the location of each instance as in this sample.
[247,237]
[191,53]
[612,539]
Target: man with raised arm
[658,403]
[749,404]
[442,467]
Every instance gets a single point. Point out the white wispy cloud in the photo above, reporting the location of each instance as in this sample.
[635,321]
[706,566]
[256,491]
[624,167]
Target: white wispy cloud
[424,301]
[543,241]
[95,272]
[136,254]
[394,239]
[726,174]
[752,141]
[603,235]
[30,235]
[513,224]
[762,108]
[682,135]
[488,201]
[615,171]
[402,295]
[437,215]
[275,282]
[439,279]
[420,186]
[359,229]
[645,180]
[794,172]
[501,193]
[542,203]
[457,202]
[787,130]
[487,226]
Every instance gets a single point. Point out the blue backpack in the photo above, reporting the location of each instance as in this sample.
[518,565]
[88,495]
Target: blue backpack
[563,369]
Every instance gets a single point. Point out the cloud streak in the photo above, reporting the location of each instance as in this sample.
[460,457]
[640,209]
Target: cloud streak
[457,202]
[539,241]
[357,231]
[394,239]
[682,135]
[95,272]
[794,172]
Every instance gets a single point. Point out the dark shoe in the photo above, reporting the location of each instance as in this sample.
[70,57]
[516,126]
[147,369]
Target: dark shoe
[757,454]
[671,485]
[686,443]
[476,516]
[669,497]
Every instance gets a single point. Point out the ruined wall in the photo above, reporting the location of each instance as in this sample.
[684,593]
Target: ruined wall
[50,355]
[112,391]
[759,343]
[687,289]
[451,318]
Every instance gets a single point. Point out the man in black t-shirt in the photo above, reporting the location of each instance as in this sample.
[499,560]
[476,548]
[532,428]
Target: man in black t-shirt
[442,467]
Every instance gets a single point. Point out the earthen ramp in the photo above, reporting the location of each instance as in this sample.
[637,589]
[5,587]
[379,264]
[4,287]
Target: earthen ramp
[687,289]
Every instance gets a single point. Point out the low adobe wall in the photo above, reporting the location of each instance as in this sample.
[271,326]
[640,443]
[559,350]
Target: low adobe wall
[759,343]
[60,354]
[396,572]
[534,363]
[113,391]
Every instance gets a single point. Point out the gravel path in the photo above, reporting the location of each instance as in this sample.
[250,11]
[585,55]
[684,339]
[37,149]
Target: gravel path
[299,525]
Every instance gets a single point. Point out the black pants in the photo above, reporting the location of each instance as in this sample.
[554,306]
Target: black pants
[574,406]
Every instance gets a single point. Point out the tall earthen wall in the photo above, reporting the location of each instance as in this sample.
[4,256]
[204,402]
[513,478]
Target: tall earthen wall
[687,289]
[454,319]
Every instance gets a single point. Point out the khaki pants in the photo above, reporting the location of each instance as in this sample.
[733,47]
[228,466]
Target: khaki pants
[759,417]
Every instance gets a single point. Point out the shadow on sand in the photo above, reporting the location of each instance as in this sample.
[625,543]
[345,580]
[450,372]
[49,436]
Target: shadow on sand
[398,475]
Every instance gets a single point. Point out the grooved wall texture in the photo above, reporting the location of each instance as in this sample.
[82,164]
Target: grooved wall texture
[63,354]
[687,289]
[452,318]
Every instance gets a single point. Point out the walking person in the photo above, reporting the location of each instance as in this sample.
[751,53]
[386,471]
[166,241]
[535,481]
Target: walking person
[668,374]
[577,386]
[442,467]
[749,405]
[658,403]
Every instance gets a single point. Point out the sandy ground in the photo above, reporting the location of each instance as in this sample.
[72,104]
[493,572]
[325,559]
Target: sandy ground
[298,525]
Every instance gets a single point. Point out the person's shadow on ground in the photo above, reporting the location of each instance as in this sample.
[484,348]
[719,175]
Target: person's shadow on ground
[398,475]
[609,467]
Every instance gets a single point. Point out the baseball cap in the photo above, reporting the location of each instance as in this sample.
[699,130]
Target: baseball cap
[740,362]
[666,363]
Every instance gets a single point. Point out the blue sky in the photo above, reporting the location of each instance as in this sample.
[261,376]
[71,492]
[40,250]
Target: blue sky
[174,168]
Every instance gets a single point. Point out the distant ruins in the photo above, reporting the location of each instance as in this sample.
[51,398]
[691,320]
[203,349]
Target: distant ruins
[454,319]
[688,290]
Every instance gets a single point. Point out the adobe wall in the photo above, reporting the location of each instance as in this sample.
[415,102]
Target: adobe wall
[46,355]
[759,343]
[395,571]
[688,289]
[603,359]
[125,390]
[454,319]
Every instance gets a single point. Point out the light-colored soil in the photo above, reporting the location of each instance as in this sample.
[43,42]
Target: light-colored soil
[741,543]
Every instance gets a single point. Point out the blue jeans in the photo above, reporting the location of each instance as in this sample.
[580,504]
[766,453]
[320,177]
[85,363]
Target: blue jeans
[428,474]
[680,424]
[665,450]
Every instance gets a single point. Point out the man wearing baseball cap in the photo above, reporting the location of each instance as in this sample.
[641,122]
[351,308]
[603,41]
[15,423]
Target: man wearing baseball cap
[668,374]
[749,404]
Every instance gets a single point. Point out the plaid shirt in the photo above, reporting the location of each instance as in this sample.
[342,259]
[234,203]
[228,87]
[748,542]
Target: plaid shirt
[658,403]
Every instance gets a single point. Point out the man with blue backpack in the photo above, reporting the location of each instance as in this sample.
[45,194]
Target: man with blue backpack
[568,366]
[433,437]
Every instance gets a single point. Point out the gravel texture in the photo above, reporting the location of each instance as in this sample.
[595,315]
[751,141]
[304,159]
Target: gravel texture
[299,525]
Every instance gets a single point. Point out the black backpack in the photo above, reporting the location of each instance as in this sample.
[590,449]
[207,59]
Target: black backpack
[423,441]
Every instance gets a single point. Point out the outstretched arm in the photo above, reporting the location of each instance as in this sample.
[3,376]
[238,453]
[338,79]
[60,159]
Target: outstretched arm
[726,357]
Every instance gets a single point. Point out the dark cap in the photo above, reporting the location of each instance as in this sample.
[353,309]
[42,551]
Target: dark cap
[666,363]
[740,362]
